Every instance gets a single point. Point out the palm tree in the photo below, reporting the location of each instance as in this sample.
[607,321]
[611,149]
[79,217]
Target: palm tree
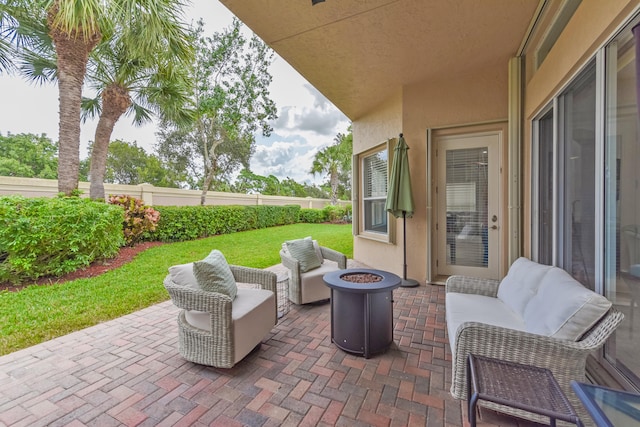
[333,160]
[154,83]
[76,27]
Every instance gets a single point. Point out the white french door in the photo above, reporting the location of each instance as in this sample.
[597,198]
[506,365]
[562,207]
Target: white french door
[467,204]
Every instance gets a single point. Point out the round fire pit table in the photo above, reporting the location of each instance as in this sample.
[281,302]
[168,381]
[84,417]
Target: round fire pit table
[362,309]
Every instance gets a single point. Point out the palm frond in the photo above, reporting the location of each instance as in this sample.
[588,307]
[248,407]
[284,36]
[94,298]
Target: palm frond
[90,108]
[38,68]
[141,115]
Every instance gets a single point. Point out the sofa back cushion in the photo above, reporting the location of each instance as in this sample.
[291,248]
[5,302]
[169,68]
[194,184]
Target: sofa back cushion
[521,284]
[563,308]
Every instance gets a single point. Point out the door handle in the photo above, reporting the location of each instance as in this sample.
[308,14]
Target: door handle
[494,227]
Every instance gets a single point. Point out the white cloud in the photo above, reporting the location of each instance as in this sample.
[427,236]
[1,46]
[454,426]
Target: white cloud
[307,120]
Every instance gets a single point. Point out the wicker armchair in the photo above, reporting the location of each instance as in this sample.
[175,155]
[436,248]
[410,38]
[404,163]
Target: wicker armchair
[564,358]
[213,330]
[309,287]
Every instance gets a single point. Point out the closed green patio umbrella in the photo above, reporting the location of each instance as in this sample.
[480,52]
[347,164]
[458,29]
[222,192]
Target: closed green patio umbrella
[399,197]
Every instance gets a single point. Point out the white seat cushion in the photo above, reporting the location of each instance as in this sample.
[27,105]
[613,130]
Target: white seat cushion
[253,316]
[478,308]
[313,287]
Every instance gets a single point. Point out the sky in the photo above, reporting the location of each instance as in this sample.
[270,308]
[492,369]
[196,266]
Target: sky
[307,121]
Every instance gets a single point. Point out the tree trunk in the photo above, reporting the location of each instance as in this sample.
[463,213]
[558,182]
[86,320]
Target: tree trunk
[72,52]
[207,182]
[210,157]
[115,101]
[334,188]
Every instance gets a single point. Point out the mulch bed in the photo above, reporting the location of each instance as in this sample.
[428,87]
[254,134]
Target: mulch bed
[125,255]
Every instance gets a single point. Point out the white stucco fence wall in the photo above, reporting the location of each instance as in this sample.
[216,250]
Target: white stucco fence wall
[157,196]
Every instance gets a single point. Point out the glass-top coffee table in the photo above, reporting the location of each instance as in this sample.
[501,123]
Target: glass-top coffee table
[609,407]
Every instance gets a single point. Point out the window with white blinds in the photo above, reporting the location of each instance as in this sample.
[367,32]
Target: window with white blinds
[467,205]
[374,191]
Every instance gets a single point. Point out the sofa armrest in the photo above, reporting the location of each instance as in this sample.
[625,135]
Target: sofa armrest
[565,359]
[336,256]
[472,285]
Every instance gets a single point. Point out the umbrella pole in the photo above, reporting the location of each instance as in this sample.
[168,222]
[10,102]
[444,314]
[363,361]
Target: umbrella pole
[406,283]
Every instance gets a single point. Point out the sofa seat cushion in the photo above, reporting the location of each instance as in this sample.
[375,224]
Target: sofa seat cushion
[312,286]
[563,308]
[253,314]
[478,308]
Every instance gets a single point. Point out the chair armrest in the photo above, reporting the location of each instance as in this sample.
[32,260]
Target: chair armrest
[295,288]
[266,279]
[336,256]
[472,285]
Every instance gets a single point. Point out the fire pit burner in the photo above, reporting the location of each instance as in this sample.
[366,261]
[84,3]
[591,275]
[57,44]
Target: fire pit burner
[361,277]
[362,309]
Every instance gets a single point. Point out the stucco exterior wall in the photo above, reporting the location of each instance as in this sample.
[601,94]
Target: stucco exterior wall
[380,125]
[460,100]
[592,25]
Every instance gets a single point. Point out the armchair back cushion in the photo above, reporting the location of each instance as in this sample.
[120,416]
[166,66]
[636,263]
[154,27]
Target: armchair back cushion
[182,275]
[213,274]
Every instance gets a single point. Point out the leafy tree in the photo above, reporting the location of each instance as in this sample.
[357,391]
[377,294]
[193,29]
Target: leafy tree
[250,183]
[335,162]
[129,164]
[28,155]
[230,92]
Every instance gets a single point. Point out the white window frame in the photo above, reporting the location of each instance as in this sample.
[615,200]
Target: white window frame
[359,201]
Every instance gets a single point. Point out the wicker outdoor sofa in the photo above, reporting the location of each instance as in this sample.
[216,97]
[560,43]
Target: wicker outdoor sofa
[537,315]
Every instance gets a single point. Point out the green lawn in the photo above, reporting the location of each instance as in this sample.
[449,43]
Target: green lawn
[40,312]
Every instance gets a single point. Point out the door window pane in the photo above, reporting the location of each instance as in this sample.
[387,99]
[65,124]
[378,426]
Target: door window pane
[544,225]
[467,206]
[622,203]
[577,195]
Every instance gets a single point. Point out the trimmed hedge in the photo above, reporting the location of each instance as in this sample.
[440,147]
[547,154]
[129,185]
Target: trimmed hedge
[181,223]
[53,236]
[312,216]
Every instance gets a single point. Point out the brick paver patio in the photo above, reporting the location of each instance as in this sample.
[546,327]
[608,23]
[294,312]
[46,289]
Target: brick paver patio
[127,372]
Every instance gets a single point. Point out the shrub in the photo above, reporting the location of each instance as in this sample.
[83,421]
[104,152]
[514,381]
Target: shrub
[139,220]
[180,223]
[53,236]
[312,216]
